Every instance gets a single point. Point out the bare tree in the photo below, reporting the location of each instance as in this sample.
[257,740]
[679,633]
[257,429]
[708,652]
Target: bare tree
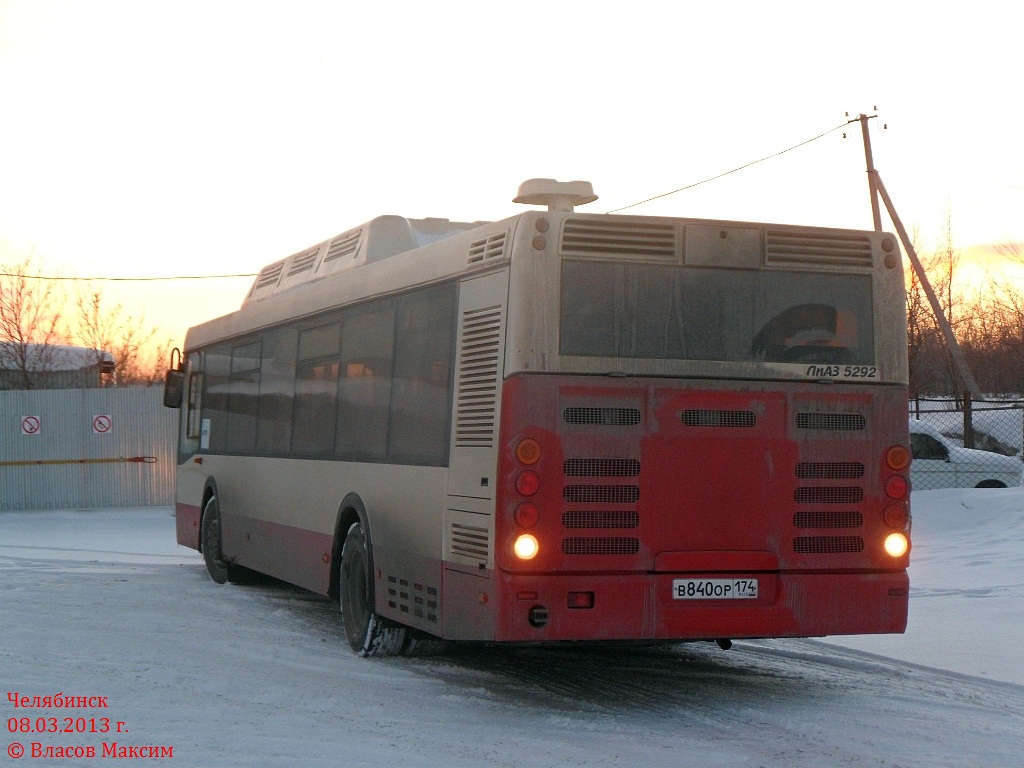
[123,336]
[31,326]
[932,370]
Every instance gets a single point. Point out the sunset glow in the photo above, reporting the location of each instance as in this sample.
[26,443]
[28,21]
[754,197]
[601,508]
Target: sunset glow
[151,140]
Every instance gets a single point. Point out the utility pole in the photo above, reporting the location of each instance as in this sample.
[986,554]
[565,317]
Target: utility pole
[876,188]
[876,214]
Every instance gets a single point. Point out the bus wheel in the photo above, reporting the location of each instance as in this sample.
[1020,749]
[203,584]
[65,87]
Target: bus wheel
[210,535]
[367,633]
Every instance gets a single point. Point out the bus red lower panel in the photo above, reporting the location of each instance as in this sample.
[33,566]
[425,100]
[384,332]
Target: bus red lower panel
[642,607]
[186,523]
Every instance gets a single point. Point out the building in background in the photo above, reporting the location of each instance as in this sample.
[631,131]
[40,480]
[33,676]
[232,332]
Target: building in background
[52,366]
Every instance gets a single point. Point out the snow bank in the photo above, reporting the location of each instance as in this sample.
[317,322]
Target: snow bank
[966,585]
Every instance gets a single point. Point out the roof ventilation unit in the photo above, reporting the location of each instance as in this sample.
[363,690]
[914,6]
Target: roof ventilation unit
[556,195]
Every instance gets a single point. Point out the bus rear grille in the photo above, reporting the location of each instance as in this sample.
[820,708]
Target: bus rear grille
[485,249]
[828,520]
[601,494]
[303,263]
[607,417]
[268,276]
[343,245]
[600,519]
[840,470]
[478,378]
[469,541]
[606,545]
[831,422]
[601,467]
[829,495]
[793,248]
[702,418]
[651,242]
[827,545]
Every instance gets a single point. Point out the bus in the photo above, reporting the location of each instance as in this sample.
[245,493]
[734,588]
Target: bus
[561,426]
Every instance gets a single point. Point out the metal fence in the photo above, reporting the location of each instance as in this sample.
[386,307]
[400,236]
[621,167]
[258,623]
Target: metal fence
[86,448]
[958,442]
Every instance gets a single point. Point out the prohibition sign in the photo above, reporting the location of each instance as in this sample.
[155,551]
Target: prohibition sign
[30,425]
[101,424]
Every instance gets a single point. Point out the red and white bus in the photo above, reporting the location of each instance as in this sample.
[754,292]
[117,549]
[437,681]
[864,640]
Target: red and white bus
[561,426]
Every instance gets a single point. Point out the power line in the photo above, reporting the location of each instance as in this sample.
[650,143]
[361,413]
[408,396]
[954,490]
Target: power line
[126,279]
[614,210]
[734,170]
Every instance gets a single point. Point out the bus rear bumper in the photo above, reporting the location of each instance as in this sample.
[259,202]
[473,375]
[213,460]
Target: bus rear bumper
[646,607]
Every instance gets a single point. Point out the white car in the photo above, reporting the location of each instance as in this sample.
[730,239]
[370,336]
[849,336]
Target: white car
[938,463]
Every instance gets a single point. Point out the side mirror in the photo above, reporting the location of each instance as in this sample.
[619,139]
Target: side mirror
[174,388]
[174,382]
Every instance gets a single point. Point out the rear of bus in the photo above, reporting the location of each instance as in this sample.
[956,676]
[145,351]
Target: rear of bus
[702,432]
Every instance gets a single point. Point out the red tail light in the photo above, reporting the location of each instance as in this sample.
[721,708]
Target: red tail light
[897,487]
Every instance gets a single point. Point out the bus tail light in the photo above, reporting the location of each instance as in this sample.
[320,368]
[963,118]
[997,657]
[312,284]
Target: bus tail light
[526,515]
[526,547]
[897,487]
[527,483]
[896,516]
[896,544]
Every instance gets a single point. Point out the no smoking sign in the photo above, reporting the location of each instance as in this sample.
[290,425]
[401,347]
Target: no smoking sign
[30,425]
[101,425]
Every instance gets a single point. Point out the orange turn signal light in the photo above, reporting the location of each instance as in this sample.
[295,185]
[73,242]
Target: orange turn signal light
[528,452]
[897,458]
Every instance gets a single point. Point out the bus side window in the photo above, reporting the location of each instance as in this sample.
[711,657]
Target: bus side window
[424,359]
[364,387]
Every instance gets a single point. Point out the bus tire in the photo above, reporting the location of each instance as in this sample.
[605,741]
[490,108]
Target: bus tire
[367,633]
[213,555]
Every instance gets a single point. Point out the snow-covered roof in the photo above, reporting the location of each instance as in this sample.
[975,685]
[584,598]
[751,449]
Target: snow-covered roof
[56,357]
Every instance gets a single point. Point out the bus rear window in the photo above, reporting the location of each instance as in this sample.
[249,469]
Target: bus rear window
[691,313]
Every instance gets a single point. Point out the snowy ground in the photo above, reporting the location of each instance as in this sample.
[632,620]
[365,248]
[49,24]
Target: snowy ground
[104,603]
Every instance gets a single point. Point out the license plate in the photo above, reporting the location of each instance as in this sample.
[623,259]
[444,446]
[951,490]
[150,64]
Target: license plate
[714,589]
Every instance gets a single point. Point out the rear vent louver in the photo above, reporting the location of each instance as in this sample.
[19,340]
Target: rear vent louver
[828,545]
[601,494]
[831,422]
[601,467]
[648,242]
[785,247]
[269,276]
[605,545]
[607,417]
[470,541]
[344,246]
[485,249]
[478,378]
[702,418]
[829,495]
[828,520]
[303,263]
[840,470]
[600,520]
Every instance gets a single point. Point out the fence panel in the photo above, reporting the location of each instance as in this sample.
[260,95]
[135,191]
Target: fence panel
[84,448]
[966,444]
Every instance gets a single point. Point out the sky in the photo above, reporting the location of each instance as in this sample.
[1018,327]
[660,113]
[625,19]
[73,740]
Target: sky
[151,139]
